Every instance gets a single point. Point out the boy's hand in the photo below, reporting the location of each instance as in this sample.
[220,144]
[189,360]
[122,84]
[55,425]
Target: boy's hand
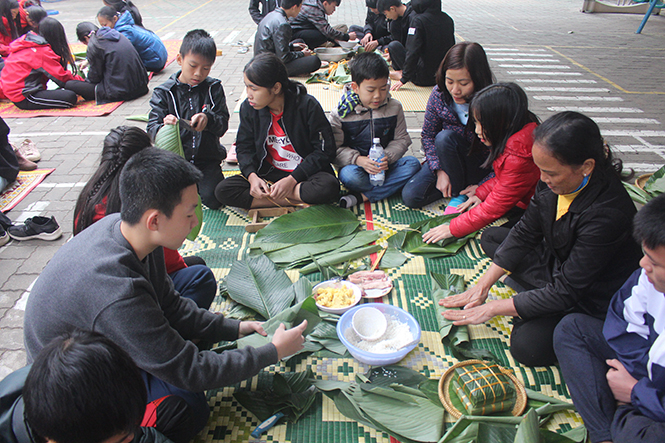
[300,46]
[258,188]
[199,122]
[249,327]
[170,120]
[283,188]
[352,35]
[370,166]
[288,342]
[371,46]
[366,39]
[307,52]
[620,381]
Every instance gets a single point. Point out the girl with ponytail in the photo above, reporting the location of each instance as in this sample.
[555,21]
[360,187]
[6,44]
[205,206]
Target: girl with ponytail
[101,196]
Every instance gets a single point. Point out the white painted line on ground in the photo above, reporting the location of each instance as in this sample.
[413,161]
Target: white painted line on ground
[542,73]
[23,301]
[525,60]
[638,149]
[519,54]
[571,98]
[57,134]
[643,167]
[61,185]
[229,38]
[34,209]
[502,49]
[636,121]
[536,66]
[555,80]
[592,109]
[251,38]
[168,35]
[636,134]
[562,89]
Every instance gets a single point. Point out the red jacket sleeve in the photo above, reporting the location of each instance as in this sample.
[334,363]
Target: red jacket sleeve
[51,65]
[516,179]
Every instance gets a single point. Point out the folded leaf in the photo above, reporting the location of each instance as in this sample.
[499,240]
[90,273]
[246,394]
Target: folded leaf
[258,284]
[410,239]
[392,259]
[309,225]
[340,257]
[655,185]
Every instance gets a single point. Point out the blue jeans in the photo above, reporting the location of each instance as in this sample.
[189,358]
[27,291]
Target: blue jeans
[196,282]
[357,179]
[582,350]
[462,168]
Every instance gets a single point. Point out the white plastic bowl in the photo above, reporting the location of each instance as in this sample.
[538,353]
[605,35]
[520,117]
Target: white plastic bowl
[348,45]
[369,323]
[357,295]
[371,358]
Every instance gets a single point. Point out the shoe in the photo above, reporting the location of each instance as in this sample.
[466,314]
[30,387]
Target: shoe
[231,156]
[4,237]
[23,163]
[29,150]
[350,200]
[43,228]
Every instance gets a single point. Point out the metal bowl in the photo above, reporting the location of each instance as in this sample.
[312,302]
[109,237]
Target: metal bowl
[348,45]
[332,54]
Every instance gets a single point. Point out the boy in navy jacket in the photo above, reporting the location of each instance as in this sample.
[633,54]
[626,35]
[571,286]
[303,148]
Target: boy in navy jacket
[615,371]
[198,102]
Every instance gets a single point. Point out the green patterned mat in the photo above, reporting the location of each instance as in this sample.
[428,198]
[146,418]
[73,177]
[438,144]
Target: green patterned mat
[223,240]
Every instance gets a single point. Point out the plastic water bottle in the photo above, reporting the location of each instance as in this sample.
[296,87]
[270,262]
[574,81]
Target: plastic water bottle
[376,153]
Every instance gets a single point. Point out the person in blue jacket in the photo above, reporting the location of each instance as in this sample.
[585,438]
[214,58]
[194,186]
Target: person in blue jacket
[615,371]
[147,43]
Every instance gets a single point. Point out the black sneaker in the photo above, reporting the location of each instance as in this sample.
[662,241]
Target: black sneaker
[4,237]
[43,228]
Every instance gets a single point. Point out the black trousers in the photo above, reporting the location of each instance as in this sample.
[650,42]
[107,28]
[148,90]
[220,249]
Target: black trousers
[320,188]
[531,341]
[212,176]
[84,89]
[54,99]
[303,65]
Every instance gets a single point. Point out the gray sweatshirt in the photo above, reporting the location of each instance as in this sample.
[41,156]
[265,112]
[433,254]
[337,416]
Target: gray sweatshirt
[96,282]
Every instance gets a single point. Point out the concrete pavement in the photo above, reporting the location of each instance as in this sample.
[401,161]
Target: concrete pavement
[564,59]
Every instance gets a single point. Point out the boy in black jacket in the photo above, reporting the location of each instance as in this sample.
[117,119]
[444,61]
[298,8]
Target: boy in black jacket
[376,28]
[425,36]
[199,103]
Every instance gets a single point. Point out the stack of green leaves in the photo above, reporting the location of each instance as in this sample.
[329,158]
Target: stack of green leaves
[411,239]
[264,291]
[457,337]
[393,399]
[322,235]
[483,389]
[168,138]
[291,393]
[653,187]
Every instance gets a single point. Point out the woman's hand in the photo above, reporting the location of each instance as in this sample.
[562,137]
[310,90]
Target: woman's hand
[258,188]
[472,297]
[471,203]
[370,166]
[249,327]
[472,316]
[443,184]
[436,234]
[283,188]
[469,191]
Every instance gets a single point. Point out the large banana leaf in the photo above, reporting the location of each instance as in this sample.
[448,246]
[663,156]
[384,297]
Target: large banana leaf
[636,194]
[256,283]
[309,225]
[410,239]
[293,316]
[655,185]
[168,138]
[298,254]
[291,393]
[457,337]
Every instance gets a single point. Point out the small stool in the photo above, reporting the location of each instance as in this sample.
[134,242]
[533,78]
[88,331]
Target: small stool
[257,214]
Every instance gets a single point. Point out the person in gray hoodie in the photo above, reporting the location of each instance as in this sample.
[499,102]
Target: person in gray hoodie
[111,279]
